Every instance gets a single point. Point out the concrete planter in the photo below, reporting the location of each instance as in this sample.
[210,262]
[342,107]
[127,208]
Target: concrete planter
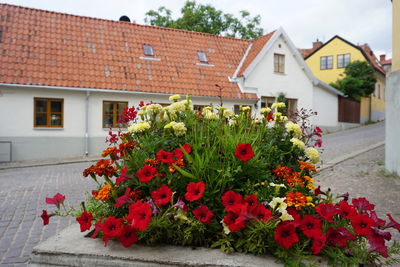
[70,248]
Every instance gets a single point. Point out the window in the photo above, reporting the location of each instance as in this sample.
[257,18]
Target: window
[199,108]
[111,113]
[148,50]
[379,91]
[267,101]
[279,63]
[326,63]
[343,60]
[236,108]
[202,56]
[291,105]
[48,112]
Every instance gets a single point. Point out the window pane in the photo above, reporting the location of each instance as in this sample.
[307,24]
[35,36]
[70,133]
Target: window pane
[329,62]
[202,56]
[323,63]
[282,64]
[41,105]
[108,120]
[41,119]
[120,109]
[55,120]
[108,107]
[56,106]
[346,60]
[148,50]
[340,61]
[236,109]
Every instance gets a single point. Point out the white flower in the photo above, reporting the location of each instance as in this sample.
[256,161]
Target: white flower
[286,216]
[207,109]
[278,203]
[265,110]
[232,122]
[278,105]
[139,127]
[293,127]
[296,142]
[154,109]
[226,228]
[174,98]
[210,116]
[228,114]
[178,106]
[312,154]
[179,128]
[271,124]
[277,185]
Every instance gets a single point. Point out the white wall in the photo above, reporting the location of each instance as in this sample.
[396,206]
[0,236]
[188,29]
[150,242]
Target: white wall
[326,104]
[294,83]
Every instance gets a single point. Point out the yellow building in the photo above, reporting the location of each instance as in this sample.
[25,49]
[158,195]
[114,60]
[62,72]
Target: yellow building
[396,36]
[328,61]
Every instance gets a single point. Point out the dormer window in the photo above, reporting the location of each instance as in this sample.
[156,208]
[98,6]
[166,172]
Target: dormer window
[202,57]
[148,50]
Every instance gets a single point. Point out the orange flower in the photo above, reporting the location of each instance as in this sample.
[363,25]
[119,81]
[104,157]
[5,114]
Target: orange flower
[108,151]
[296,199]
[179,163]
[102,167]
[126,147]
[306,166]
[282,171]
[152,162]
[294,179]
[104,193]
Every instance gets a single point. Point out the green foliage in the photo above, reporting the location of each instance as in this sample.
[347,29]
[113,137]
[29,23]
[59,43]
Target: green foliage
[206,18]
[359,80]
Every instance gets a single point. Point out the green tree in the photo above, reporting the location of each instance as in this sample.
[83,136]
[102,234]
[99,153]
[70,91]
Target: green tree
[359,80]
[206,18]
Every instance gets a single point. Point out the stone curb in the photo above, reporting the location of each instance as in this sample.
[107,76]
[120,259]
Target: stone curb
[338,160]
[12,165]
[70,248]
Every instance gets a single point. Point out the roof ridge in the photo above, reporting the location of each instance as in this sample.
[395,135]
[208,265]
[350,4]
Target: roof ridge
[129,23]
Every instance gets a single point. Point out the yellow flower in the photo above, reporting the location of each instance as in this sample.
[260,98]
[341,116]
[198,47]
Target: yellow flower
[286,216]
[293,127]
[228,114]
[139,127]
[210,116]
[245,108]
[278,203]
[296,142]
[154,109]
[169,125]
[179,128]
[174,97]
[265,111]
[312,154]
[278,105]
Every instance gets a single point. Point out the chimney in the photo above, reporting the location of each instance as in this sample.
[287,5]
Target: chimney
[317,44]
[382,58]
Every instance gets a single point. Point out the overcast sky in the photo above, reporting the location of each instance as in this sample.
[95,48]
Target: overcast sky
[358,21]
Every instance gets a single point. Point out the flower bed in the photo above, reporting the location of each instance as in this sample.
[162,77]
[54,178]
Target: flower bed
[215,179]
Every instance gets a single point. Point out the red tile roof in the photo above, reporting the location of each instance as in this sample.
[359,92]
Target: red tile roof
[304,52]
[40,47]
[386,62]
[372,58]
[256,47]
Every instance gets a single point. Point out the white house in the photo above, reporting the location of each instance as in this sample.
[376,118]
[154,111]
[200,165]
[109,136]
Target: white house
[65,79]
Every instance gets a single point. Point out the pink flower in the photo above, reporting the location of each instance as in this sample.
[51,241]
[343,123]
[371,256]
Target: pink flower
[124,199]
[57,200]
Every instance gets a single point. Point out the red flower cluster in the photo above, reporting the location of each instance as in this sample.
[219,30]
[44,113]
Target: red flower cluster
[102,167]
[244,152]
[240,210]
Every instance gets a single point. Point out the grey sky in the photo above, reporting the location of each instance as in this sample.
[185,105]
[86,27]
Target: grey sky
[358,21]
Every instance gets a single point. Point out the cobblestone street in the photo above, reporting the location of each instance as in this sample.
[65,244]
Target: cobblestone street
[22,195]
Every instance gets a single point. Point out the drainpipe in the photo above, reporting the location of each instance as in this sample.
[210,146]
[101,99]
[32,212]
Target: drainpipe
[87,124]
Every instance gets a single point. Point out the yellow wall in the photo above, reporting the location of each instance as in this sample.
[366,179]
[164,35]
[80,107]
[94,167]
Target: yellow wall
[334,48]
[377,101]
[396,36]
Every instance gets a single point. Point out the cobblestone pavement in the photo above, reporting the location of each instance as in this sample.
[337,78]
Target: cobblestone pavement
[22,194]
[344,142]
[365,176]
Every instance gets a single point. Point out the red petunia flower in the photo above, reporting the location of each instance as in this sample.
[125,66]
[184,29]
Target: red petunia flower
[376,240]
[318,244]
[128,236]
[187,148]
[166,157]
[346,210]
[296,216]
[146,173]
[162,195]
[339,236]
[97,229]
[244,152]
[234,222]
[311,226]
[318,143]
[393,223]
[285,234]
[139,215]
[378,222]
[251,201]
[362,224]
[124,199]
[261,213]
[362,204]
[326,211]
[203,214]
[194,191]
[46,217]
[111,228]
[57,200]
[232,201]
[123,176]
[85,221]
[179,153]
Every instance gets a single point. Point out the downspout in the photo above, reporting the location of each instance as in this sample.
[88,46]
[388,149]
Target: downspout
[87,123]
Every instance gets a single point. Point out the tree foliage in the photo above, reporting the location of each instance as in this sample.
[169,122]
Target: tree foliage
[206,18]
[359,80]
